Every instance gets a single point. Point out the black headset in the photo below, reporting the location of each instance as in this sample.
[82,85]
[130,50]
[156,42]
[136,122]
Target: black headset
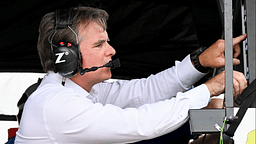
[65,55]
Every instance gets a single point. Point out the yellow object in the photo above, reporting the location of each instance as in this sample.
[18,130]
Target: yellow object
[251,137]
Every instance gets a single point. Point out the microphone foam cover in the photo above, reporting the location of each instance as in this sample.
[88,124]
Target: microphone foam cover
[116,63]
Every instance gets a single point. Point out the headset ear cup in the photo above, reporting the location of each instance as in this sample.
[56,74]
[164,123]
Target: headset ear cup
[66,56]
[65,59]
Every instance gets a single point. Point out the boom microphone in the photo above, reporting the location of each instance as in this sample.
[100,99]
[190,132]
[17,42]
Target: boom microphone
[112,64]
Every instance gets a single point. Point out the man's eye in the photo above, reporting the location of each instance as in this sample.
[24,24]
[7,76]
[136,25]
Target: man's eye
[99,45]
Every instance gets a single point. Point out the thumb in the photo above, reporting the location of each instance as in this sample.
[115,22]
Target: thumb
[236,61]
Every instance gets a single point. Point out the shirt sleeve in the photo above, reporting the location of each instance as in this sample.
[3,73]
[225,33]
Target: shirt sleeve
[161,86]
[81,121]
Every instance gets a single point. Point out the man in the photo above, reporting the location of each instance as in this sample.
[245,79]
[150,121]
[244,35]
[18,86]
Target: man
[78,107]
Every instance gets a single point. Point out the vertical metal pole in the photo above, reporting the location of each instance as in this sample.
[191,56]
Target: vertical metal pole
[251,39]
[251,22]
[243,18]
[228,22]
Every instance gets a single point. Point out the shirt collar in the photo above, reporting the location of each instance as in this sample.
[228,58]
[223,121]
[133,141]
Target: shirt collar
[68,84]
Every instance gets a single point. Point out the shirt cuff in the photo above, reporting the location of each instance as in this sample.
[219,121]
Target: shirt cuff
[199,97]
[187,73]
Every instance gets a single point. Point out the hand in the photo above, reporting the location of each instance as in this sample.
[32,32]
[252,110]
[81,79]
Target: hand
[216,85]
[214,55]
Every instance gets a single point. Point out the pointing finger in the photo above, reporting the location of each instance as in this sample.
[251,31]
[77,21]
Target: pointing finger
[239,39]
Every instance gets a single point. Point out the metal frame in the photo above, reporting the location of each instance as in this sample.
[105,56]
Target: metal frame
[250,7]
[228,29]
[205,117]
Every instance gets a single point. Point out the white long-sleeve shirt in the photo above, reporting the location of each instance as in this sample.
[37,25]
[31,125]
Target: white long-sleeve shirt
[118,112]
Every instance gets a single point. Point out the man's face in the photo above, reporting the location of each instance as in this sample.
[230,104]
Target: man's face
[95,51]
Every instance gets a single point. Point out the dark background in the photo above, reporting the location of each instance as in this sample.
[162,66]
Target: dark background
[147,35]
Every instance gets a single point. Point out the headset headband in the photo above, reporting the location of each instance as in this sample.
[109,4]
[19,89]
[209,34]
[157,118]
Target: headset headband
[64,18]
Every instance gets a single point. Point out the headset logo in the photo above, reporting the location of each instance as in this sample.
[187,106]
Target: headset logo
[60,55]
